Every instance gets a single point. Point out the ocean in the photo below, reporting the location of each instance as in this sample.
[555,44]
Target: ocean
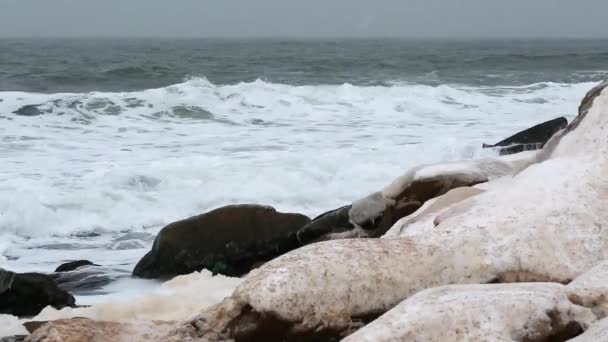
[103,142]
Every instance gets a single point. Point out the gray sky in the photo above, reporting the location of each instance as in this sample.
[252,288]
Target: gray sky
[305,18]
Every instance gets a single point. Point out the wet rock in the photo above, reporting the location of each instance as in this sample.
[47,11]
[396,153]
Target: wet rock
[29,110]
[86,279]
[72,265]
[228,240]
[26,294]
[331,222]
[533,138]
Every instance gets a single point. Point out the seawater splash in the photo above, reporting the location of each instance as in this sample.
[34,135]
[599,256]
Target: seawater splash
[111,162]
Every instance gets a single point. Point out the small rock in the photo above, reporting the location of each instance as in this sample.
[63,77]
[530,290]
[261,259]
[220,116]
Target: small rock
[28,110]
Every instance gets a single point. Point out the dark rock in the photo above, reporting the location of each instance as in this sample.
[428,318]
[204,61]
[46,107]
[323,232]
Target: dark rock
[228,240]
[29,110]
[72,265]
[86,279]
[362,219]
[32,326]
[533,138]
[28,293]
[331,222]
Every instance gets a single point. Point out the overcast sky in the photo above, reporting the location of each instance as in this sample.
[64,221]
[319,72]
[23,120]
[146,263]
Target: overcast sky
[305,18]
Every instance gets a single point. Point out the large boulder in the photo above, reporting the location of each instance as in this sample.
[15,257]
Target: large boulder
[502,312]
[229,241]
[374,215]
[533,138]
[26,294]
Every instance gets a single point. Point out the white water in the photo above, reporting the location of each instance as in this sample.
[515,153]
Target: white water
[181,150]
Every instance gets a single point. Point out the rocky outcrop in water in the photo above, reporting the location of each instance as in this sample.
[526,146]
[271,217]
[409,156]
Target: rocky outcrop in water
[229,240]
[74,265]
[533,138]
[26,294]
[28,110]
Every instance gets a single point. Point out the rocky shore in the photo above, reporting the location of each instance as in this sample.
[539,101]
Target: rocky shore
[511,248]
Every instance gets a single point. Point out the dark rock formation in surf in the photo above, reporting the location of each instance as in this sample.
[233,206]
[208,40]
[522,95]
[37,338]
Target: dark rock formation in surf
[533,138]
[26,294]
[28,110]
[229,240]
[73,265]
[334,221]
[86,280]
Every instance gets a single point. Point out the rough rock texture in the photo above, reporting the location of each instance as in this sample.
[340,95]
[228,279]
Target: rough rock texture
[228,240]
[503,312]
[86,330]
[591,289]
[598,332]
[532,138]
[434,207]
[28,293]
